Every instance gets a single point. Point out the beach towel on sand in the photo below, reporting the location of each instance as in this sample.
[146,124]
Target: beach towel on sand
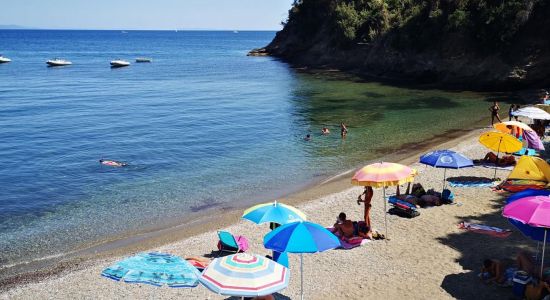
[493,166]
[470,182]
[484,229]
[350,243]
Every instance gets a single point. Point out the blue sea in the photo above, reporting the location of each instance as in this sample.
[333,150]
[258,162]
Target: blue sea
[202,126]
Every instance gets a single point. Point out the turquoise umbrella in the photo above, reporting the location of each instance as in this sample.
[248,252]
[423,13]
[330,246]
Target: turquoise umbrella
[154,268]
[301,237]
[273,212]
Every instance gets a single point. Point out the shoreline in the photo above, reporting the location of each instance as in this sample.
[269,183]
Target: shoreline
[210,219]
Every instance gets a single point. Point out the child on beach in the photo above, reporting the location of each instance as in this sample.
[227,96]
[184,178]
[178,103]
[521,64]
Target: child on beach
[510,111]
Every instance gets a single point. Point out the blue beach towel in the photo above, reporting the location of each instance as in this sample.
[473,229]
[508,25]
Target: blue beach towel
[471,182]
[154,268]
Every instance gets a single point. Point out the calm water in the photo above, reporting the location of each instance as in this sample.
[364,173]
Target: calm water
[203,125]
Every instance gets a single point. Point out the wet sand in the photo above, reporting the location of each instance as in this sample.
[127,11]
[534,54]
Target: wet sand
[426,257]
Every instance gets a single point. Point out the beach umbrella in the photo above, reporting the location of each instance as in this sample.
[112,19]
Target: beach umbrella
[301,237]
[532,112]
[500,142]
[503,127]
[535,233]
[533,211]
[446,159]
[382,175]
[154,268]
[245,275]
[273,212]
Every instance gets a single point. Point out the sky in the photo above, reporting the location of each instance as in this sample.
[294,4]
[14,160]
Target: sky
[141,14]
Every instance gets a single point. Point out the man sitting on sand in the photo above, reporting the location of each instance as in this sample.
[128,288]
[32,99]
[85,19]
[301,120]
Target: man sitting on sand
[343,227]
[506,160]
[492,271]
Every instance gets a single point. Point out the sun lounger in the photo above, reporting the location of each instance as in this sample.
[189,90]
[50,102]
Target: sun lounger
[230,243]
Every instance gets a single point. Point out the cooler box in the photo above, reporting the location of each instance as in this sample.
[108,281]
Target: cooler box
[519,282]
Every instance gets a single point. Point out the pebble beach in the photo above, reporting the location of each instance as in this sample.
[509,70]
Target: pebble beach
[426,257]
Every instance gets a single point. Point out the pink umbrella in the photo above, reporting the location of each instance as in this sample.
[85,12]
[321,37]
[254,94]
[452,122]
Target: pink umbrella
[533,211]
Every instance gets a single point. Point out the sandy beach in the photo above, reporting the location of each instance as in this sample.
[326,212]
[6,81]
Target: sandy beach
[427,257]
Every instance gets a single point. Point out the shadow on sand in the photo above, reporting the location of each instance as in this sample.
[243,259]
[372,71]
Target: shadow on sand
[474,248]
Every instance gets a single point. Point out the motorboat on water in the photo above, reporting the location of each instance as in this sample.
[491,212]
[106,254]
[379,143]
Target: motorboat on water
[57,62]
[117,63]
[4,59]
[143,60]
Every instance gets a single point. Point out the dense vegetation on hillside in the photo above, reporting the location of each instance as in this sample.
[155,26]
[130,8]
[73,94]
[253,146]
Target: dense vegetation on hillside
[491,23]
[336,31]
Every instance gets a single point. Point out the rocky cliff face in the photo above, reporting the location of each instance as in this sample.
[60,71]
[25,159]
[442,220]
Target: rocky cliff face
[428,47]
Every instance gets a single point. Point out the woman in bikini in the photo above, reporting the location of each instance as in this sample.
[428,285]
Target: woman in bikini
[494,113]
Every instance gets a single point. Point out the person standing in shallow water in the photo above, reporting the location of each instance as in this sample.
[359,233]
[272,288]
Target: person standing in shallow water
[343,130]
[494,113]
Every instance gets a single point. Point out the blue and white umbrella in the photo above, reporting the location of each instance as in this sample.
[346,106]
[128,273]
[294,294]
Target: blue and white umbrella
[154,268]
[446,159]
[301,237]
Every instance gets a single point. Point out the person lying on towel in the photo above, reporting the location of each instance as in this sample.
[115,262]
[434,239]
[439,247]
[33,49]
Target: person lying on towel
[343,227]
[506,160]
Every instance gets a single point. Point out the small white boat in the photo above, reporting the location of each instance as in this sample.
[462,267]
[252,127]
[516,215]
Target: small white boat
[117,63]
[4,59]
[57,62]
[143,60]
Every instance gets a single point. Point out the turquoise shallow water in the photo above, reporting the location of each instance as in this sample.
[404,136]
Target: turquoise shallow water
[203,125]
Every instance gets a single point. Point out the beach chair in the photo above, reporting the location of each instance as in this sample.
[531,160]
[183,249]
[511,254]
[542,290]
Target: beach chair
[230,243]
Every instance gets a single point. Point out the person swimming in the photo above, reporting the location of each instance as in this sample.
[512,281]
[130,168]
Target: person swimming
[112,163]
[308,137]
[325,131]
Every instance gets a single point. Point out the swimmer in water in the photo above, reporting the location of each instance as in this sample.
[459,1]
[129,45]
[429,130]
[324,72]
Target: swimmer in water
[307,138]
[112,163]
[325,131]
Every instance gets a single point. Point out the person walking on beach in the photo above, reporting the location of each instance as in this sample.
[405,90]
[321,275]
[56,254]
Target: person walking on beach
[510,111]
[343,130]
[494,113]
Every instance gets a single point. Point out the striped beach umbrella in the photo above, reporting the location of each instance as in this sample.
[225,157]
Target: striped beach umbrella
[273,212]
[383,174]
[245,275]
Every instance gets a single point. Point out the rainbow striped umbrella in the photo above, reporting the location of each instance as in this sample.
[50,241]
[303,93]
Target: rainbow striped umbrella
[383,174]
[245,275]
[273,212]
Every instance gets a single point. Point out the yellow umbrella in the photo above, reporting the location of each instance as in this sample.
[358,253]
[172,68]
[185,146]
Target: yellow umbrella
[500,142]
[383,174]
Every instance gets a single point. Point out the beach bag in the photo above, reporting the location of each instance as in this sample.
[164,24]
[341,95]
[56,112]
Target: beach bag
[448,197]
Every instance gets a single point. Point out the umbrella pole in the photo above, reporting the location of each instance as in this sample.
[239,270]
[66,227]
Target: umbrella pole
[496,162]
[385,212]
[302,276]
[543,248]
[444,177]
